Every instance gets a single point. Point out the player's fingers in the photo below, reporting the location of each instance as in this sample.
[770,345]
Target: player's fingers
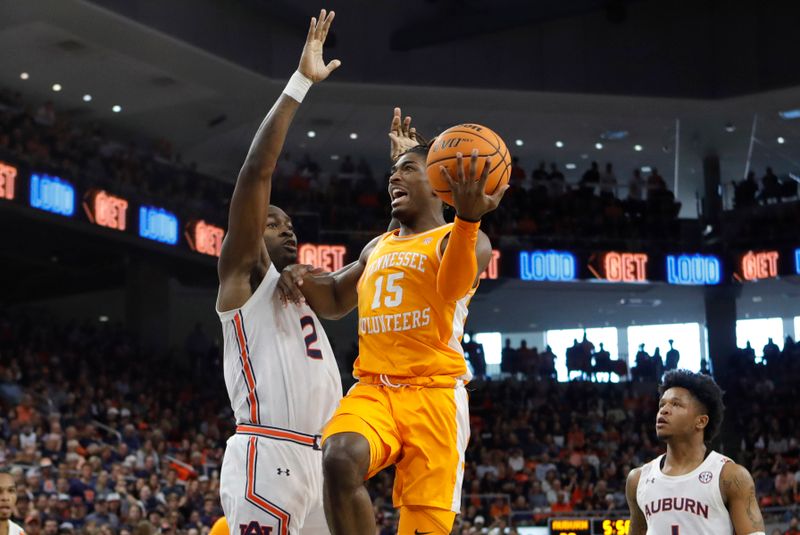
[326,26]
[497,196]
[333,65]
[406,125]
[460,167]
[320,21]
[473,165]
[446,174]
[395,125]
[487,165]
[311,28]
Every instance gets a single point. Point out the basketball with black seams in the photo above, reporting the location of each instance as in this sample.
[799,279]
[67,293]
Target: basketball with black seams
[464,138]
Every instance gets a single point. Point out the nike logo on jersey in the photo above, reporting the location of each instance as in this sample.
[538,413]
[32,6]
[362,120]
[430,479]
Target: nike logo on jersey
[418,532]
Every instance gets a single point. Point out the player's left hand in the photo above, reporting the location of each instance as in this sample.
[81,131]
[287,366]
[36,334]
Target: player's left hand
[290,281]
[469,196]
[312,66]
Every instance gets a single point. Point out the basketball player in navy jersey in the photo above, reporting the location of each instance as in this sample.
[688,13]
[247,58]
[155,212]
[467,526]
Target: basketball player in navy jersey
[691,489]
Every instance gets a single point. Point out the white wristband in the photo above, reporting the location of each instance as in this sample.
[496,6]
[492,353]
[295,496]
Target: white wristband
[298,86]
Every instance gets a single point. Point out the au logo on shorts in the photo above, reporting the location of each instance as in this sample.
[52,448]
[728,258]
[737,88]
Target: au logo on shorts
[705,477]
[254,528]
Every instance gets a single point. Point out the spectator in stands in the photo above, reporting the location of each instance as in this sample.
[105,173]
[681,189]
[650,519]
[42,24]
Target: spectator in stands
[673,358]
[508,358]
[770,187]
[771,352]
[636,186]
[608,182]
[547,364]
[590,179]
[656,187]
[745,191]
[475,355]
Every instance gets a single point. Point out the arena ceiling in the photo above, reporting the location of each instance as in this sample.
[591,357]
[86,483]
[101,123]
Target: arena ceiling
[190,87]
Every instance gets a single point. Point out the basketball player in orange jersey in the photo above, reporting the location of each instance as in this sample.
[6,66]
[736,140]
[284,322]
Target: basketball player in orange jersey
[409,407]
[8,501]
[691,489]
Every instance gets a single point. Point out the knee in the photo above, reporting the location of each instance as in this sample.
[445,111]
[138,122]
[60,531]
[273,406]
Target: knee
[345,459]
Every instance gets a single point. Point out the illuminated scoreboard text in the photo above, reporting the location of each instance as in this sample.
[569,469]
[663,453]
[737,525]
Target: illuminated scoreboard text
[204,238]
[105,209]
[8,181]
[52,194]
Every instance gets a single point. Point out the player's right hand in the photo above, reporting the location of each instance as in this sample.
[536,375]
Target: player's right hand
[290,281]
[312,66]
[402,135]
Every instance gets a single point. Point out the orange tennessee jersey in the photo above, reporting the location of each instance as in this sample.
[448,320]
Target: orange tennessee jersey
[405,329]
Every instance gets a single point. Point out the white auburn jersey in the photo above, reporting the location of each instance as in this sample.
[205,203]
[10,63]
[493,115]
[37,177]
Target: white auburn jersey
[690,504]
[14,528]
[280,370]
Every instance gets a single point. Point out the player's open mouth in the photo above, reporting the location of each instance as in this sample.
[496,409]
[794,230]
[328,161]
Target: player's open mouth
[661,422]
[290,246]
[396,194]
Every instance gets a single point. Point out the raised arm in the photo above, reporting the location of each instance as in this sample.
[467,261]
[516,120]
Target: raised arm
[467,250]
[243,246]
[638,522]
[739,495]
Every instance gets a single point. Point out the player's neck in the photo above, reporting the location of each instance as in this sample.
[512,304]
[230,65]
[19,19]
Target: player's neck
[683,456]
[4,527]
[423,223]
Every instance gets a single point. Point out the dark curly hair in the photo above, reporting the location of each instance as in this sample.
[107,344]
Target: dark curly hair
[705,391]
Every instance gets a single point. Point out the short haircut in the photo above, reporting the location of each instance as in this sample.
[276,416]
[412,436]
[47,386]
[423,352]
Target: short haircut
[421,149]
[705,391]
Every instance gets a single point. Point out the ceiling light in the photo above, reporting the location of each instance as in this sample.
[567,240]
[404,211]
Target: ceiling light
[730,127]
[614,134]
[790,114]
[24,75]
[116,108]
[781,141]
[637,148]
[559,144]
[571,166]
[56,87]
[519,142]
[598,146]
[646,169]
[311,133]
[353,135]
[334,156]
[584,156]
[87,97]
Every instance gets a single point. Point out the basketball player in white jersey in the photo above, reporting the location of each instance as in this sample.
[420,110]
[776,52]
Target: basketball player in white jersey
[691,490]
[280,372]
[8,501]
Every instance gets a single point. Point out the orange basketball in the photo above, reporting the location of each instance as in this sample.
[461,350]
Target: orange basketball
[463,138]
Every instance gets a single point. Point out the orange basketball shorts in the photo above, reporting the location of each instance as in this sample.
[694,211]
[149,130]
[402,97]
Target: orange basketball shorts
[422,430]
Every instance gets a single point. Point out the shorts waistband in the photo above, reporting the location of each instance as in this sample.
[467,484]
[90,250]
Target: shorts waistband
[393,381]
[278,433]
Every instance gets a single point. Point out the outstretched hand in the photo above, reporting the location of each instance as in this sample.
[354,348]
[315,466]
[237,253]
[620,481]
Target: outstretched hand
[312,66]
[402,135]
[290,281]
[469,196]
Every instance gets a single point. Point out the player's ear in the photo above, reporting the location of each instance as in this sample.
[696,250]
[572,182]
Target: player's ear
[701,421]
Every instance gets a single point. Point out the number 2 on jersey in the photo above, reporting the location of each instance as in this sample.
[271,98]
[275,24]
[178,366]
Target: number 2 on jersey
[394,292]
[311,338]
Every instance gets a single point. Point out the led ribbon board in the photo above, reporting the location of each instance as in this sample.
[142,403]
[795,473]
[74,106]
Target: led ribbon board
[493,269]
[106,210]
[204,238]
[694,269]
[327,257]
[52,194]
[797,261]
[757,265]
[158,225]
[555,266]
[622,267]
[8,180]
